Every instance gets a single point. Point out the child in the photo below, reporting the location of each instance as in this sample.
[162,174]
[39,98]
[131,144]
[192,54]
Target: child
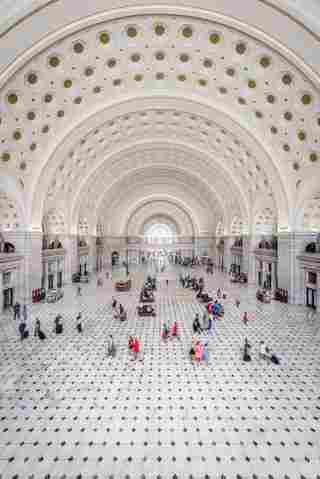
[199,351]
[205,356]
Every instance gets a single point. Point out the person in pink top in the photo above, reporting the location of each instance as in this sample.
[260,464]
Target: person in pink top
[174,329]
[136,348]
[199,351]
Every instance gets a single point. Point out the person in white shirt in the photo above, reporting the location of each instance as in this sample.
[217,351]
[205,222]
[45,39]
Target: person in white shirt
[263,353]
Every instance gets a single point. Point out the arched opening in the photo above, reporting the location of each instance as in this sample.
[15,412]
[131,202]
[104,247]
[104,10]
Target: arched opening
[160,234]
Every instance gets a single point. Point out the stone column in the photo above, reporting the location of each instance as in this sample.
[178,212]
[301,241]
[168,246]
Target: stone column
[71,257]
[318,292]
[290,245]
[32,264]
[92,260]
[202,245]
[1,290]
[228,242]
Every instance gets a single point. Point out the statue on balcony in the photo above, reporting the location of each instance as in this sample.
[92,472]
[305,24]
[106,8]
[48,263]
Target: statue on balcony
[311,248]
[5,246]
[318,243]
[2,243]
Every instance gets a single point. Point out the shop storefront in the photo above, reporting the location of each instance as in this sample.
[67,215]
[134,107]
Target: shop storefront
[310,279]
[11,275]
[266,267]
[53,268]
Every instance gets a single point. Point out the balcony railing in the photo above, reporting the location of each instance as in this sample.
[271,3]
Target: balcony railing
[10,257]
[267,253]
[53,252]
[237,250]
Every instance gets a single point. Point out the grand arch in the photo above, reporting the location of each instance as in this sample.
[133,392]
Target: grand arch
[215,83]
[212,107]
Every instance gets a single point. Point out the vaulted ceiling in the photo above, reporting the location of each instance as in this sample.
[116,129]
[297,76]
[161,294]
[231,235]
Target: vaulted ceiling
[128,111]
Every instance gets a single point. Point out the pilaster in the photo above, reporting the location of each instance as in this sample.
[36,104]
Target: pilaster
[71,259]
[290,245]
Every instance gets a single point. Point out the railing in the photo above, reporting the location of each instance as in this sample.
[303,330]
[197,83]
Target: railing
[83,250]
[53,252]
[310,259]
[9,257]
[267,253]
[237,250]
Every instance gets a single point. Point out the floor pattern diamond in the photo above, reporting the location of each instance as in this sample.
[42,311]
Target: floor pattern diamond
[68,411]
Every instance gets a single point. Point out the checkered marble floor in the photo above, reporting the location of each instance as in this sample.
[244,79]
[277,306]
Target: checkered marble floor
[67,411]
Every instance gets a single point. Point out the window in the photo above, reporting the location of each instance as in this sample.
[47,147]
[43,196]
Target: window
[160,234]
[6,278]
[312,277]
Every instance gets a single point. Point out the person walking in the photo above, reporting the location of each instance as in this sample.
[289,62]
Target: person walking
[58,324]
[165,332]
[174,330]
[205,356]
[199,351]
[246,351]
[245,318]
[211,325]
[23,331]
[136,348]
[79,291]
[37,327]
[196,325]
[111,350]
[25,313]
[16,311]
[38,331]
[79,323]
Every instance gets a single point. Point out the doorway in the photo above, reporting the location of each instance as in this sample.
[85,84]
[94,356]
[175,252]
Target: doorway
[59,279]
[7,298]
[50,281]
[115,258]
[311,298]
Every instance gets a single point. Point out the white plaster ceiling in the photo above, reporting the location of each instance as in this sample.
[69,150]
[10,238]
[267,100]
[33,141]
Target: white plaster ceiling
[259,136]
[163,212]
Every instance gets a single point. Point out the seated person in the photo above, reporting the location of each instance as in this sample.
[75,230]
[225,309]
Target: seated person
[263,352]
[266,353]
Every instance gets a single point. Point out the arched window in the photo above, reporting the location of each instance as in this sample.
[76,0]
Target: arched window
[160,234]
